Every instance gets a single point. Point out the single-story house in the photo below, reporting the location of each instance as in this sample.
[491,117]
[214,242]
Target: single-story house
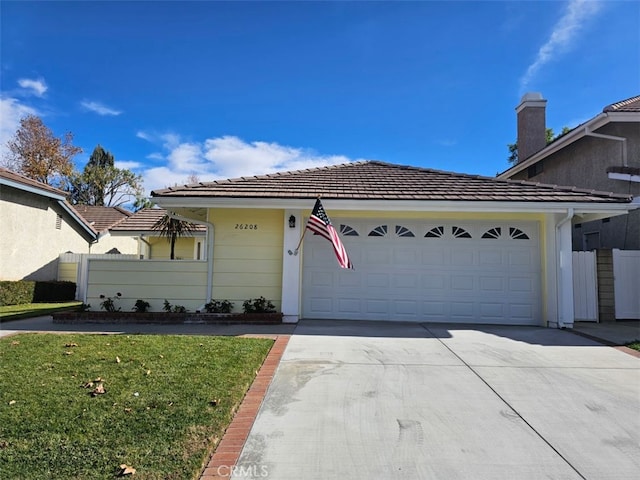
[37,224]
[103,220]
[150,245]
[426,245]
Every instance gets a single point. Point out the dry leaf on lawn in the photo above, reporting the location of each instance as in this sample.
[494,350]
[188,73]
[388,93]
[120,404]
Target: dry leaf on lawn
[126,470]
[99,390]
[117,359]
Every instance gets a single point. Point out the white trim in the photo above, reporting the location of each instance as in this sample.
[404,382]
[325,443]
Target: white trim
[398,205]
[564,270]
[291,268]
[627,177]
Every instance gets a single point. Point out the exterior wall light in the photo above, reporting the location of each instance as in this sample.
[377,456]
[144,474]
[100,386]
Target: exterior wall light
[292,222]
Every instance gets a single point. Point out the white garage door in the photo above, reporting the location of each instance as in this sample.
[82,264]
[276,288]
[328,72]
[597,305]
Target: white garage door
[442,271]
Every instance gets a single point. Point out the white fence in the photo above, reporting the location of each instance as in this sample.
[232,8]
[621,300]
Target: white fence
[626,284]
[72,267]
[585,287]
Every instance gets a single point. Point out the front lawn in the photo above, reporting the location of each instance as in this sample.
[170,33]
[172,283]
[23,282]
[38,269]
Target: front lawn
[166,401]
[14,312]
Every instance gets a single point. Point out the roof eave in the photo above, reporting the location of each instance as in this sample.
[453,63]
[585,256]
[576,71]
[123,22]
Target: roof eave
[399,205]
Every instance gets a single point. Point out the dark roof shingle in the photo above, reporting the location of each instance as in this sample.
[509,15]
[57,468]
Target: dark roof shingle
[375,180]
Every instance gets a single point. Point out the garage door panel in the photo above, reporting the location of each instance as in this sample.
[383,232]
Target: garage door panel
[434,282]
[377,280]
[495,279]
[410,281]
[434,256]
[491,284]
[463,257]
[462,283]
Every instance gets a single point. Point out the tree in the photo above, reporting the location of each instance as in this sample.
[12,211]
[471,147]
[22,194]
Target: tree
[102,184]
[37,153]
[172,228]
[550,137]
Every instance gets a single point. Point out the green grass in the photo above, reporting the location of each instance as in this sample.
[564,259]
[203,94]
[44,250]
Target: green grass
[635,345]
[168,399]
[15,312]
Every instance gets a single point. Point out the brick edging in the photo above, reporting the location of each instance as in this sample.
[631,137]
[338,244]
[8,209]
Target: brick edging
[228,450]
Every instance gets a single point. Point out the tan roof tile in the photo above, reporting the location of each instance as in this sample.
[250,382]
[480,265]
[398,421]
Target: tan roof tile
[102,218]
[374,180]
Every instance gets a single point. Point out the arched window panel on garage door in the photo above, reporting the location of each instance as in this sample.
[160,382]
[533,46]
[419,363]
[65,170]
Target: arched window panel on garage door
[379,231]
[517,234]
[494,232]
[348,231]
[435,232]
[403,231]
[459,232]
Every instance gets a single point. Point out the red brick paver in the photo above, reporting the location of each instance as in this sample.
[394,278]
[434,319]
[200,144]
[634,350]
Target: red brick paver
[228,450]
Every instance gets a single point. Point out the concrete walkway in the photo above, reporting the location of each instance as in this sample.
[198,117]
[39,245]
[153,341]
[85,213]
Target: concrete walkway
[363,400]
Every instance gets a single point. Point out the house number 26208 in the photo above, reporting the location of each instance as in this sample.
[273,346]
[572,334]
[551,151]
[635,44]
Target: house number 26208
[246,226]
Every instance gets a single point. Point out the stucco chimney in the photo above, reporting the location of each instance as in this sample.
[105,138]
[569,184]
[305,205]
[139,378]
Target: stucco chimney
[532,125]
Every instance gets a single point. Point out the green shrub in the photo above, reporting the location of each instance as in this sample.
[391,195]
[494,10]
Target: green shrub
[108,304]
[141,306]
[173,308]
[16,293]
[259,305]
[218,306]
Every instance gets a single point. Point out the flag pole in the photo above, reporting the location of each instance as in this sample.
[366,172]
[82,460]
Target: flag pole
[304,232]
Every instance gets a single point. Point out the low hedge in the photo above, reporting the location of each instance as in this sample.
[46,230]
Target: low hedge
[30,291]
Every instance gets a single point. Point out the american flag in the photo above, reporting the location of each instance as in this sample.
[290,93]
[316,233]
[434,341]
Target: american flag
[319,223]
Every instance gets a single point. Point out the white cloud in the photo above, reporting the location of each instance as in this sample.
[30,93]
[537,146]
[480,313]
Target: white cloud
[144,136]
[99,108]
[127,164]
[11,112]
[37,87]
[229,157]
[563,34]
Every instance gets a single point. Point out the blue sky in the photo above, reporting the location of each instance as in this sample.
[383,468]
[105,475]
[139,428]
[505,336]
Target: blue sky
[227,89]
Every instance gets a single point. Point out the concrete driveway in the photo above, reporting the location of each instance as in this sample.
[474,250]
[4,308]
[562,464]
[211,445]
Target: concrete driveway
[375,400]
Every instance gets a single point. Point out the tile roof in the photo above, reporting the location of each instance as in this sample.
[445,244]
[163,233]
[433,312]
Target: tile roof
[375,180]
[29,182]
[629,105]
[102,218]
[143,220]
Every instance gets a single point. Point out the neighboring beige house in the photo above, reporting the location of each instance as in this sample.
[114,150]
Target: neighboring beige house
[37,224]
[150,245]
[427,246]
[602,154]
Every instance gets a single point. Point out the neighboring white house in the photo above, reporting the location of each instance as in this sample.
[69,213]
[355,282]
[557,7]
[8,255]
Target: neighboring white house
[37,224]
[103,220]
[427,246]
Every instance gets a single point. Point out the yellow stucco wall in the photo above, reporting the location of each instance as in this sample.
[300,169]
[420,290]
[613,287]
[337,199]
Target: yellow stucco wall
[161,248]
[30,242]
[247,253]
